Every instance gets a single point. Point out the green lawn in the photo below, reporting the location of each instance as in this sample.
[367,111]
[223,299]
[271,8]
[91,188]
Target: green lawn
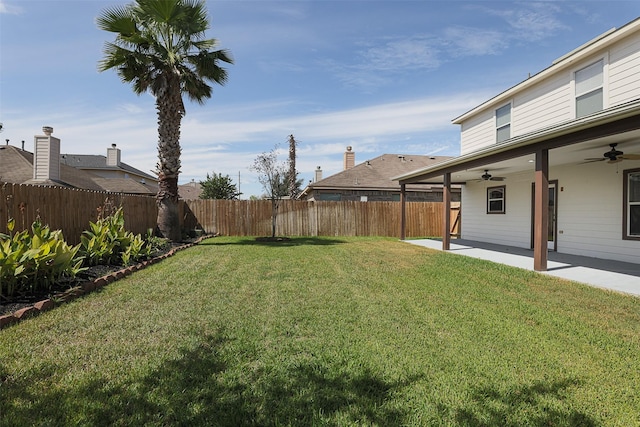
[345,331]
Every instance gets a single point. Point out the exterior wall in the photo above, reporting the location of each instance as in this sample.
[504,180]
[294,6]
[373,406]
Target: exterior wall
[478,132]
[552,100]
[589,218]
[511,228]
[624,77]
[546,103]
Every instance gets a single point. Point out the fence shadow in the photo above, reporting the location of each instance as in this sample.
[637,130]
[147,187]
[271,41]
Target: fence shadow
[287,241]
[196,389]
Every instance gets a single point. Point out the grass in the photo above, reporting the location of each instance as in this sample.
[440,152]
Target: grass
[353,331]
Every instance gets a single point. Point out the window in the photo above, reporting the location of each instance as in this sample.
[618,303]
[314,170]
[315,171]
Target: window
[631,216]
[589,89]
[503,123]
[495,200]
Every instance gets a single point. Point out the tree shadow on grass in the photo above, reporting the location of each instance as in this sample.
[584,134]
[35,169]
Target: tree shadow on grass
[282,242]
[539,404]
[198,390]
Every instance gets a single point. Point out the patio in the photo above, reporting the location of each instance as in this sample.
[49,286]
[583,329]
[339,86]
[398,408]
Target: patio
[608,274]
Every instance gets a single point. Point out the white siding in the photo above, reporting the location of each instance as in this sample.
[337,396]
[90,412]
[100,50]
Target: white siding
[511,228]
[624,71]
[589,212]
[552,100]
[542,106]
[478,132]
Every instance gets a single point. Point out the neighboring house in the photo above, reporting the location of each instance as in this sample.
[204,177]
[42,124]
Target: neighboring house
[190,190]
[46,166]
[566,142]
[371,181]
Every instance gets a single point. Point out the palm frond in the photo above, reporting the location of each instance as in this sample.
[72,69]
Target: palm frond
[117,19]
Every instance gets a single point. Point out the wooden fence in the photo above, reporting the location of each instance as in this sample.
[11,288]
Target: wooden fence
[301,218]
[71,210]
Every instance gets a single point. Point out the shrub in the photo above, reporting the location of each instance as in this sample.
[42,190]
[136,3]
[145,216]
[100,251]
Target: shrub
[31,262]
[108,242]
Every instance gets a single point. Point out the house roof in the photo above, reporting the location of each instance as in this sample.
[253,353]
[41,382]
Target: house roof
[99,162]
[376,174]
[190,191]
[564,62]
[16,166]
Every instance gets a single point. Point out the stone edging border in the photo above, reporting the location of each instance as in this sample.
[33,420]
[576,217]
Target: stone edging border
[86,287]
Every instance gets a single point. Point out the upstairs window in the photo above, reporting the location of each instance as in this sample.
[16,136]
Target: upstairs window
[495,200]
[503,123]
[589,89]
[631,217]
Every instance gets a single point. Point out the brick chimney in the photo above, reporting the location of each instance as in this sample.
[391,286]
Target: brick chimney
[349,158]
[113,156]
[46,158]
[318,176]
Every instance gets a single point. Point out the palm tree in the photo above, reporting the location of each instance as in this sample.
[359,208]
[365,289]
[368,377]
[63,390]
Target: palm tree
[160,46]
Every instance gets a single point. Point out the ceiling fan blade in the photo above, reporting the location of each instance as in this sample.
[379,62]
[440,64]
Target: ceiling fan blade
[631,156]
[497,178]
[617,160]
[594,159]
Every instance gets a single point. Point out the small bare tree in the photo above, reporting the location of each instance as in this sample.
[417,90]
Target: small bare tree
[271,175]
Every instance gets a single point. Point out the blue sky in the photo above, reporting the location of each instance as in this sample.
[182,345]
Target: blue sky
[380,76]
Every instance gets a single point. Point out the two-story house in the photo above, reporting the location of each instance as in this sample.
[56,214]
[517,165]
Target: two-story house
[553,163]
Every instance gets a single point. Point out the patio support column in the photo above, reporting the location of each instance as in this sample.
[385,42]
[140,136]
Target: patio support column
[541,211]
[403,211]
[446,214]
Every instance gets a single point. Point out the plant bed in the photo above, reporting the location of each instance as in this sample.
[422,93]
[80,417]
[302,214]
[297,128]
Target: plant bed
[70,288]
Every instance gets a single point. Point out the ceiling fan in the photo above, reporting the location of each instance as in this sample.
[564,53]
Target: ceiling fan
[486,176]
[614,156]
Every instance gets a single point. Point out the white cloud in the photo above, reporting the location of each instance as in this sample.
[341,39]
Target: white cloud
[402,54]
[467,41]
[532,21]
[9,9]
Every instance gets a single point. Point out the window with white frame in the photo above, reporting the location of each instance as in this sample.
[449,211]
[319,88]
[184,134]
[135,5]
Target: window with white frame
[631,217]
[495,200]
[589,89]
[503,123]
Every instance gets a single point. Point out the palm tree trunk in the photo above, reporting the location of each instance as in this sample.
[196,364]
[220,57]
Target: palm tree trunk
[170,112]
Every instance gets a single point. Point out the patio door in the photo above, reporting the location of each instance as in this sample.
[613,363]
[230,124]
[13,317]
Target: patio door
[552,233]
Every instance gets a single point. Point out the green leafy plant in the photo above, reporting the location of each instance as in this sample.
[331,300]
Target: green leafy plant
[35,260]
[106,240]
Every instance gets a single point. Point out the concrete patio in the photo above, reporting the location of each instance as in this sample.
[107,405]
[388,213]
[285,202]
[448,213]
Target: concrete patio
[607,274]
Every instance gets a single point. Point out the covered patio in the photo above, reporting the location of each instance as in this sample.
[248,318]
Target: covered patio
[607,274]
[531,157]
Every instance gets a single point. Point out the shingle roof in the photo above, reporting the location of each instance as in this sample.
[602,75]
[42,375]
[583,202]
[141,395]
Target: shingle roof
[190,191]
[16,166]
[96,161]
[376,174]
